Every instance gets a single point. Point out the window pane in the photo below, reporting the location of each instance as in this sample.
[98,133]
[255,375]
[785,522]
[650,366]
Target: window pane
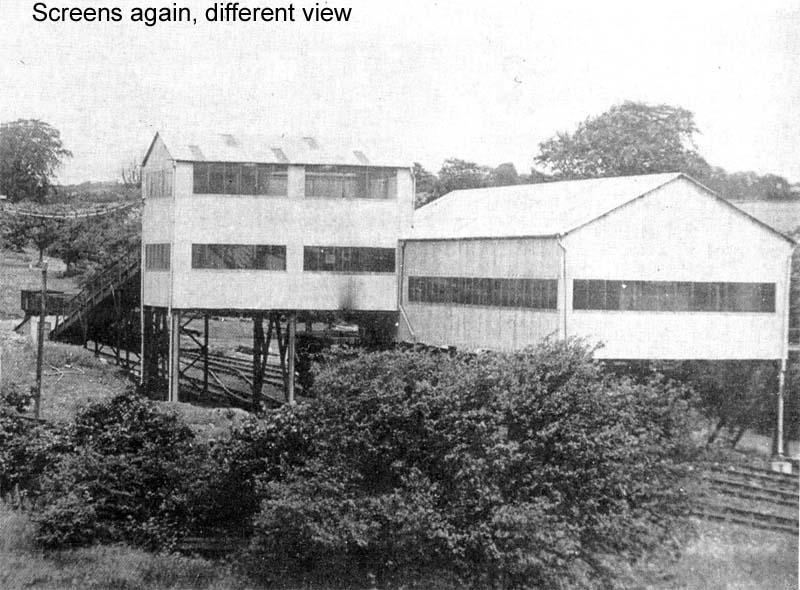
[348,182]
[580,294]
[596,295]
[683,297]
[156,256]
[216,179]
[704,297]
[200,178]
[272,180]
[238,256]
[270,257]
[327,258]
[675,296]
[767,301]
[414,288]
[248,180]
[232,172]
[613,289]
[311,258]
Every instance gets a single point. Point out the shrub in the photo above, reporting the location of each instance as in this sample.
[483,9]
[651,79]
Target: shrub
[223,497]
[27,448]
[517,469]
[127,480]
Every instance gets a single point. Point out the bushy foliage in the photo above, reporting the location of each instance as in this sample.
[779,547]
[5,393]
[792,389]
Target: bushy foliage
[224,498]
[734,396]
[30,153]
[629,138]
[27,448]
[517,468]
[127,479]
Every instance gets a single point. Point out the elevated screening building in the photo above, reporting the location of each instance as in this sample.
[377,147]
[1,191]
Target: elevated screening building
[252,225]
[654,267]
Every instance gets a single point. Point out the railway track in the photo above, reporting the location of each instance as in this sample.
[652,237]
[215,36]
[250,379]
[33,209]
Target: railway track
[230,378]
[752,497]
[764,476]
[750,518]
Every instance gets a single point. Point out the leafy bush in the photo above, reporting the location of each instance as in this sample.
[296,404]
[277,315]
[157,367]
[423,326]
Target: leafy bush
[127,480]
[27,448]
[224,498]
[518,469]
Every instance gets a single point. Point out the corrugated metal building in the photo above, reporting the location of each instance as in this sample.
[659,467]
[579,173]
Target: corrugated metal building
[653,267]
[254,224]
[260,223]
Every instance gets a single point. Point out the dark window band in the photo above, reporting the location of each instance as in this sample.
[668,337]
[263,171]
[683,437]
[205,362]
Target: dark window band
[348,259]
[345,182]
[156,256]
[673,296]
[240,179]
[527,293]
[238,257]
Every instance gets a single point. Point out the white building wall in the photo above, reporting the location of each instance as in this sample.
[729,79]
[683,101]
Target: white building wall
[679,233]
[294,221]
[471,326]
[157,217]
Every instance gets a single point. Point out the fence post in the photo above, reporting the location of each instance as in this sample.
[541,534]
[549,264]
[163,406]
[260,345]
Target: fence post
[40,342]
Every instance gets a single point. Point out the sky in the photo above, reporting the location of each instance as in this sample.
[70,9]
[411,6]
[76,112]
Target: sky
[483,81]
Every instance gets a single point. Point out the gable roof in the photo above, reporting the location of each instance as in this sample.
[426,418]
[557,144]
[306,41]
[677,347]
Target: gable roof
[539,210]
[269,149]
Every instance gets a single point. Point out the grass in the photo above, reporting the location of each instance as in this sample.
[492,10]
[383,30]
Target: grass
[716,557]
[111,567]
[71,378]
[728,557]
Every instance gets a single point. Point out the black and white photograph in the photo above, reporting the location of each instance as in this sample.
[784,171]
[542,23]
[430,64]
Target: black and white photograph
[399,295]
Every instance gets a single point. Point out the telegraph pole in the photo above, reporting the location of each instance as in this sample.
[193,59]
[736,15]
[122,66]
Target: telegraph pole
[40,342]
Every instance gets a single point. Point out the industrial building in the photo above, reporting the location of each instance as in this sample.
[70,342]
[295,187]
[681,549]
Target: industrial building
[651,267]
[248,225]
[276,228]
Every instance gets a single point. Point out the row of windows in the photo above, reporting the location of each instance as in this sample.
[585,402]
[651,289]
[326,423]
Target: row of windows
[348,259]
[530,293]
[157,184]
[240,179]
[156,257]
[348,182]
[267,179]
[595,294]
[673,296]
[239,256]
[272,257]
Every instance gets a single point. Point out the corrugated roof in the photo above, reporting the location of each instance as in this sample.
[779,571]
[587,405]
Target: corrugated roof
[272,149]
[540,210]
[546,209]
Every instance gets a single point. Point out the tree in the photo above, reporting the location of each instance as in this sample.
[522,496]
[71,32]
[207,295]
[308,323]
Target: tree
[425,185]
[77,240]
[504,175]
[30,153]
[131,174]
[21,231]
[631,138]
[460,174]
[748,186]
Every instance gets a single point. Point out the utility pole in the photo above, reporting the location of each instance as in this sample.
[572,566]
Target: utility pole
[40,342]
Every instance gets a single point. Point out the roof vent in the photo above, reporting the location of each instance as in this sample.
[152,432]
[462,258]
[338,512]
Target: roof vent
[280,155]
[361,157]
[196,152]
[311,142]
[230,140]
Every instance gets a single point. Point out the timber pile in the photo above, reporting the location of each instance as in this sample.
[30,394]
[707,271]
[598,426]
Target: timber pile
[752,497]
